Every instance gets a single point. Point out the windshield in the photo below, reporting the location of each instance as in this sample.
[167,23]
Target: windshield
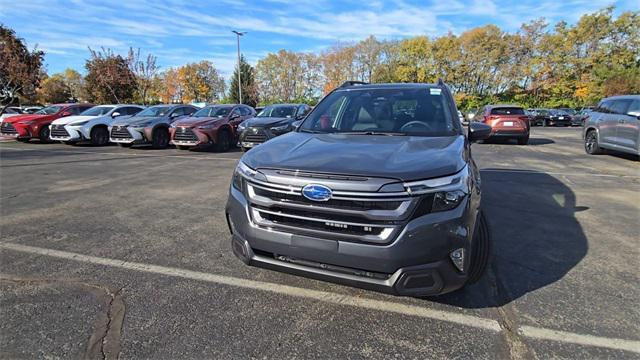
[558,112]
[278,111]
[155,111]
[213,111]
[49,110]
[418,111]
[97,111]
[507,111]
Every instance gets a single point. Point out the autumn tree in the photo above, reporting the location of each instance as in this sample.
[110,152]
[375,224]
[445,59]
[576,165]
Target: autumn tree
[171,90]
[54,89]
[288,77]
[248,84]
[201,82]
[338,66]
[20,68]
[109,78]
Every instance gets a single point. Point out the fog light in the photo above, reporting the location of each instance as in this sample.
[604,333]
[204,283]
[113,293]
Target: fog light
[457,257]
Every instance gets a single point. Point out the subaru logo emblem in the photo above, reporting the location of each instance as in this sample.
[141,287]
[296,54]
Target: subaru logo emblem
[316,192]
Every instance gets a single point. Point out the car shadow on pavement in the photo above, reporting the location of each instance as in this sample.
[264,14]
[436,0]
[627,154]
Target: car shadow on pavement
[536,239]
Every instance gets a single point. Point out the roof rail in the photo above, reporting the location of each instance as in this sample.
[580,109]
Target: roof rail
[352,82]
[440,82]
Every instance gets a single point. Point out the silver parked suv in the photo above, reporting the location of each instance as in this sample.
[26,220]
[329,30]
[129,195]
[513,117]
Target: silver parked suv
[376,188]
[614,125]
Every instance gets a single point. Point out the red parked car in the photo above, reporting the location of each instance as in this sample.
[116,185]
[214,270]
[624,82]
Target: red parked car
[36,125]
[215,125]
[507,122]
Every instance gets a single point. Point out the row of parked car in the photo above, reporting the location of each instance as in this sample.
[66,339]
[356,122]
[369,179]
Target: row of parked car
[185,126]
[546,117]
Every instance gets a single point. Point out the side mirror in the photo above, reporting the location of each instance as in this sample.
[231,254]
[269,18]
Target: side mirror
[479,131]
[174,115]
[66,113]
[115,114]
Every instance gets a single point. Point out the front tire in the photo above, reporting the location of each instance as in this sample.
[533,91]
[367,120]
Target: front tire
[99,136]
[224,141]
[480,251]
[160,139]
[591,145]
[43,135]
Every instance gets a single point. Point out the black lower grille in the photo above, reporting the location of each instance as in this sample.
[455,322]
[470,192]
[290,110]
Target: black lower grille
[120,132]
[255,136]
[332,203]
[8,128]
[59,131]
[184,134]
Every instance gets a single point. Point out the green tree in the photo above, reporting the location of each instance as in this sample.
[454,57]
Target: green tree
[248,84]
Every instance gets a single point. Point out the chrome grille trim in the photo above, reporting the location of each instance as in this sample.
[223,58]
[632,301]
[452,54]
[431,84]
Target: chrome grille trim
[384,236]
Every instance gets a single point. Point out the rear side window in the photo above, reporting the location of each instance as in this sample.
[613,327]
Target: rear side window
[634,108]
[189,110]
[620,106]
[507,111]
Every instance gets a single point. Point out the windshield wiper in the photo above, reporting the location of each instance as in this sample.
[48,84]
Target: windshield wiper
[385,133]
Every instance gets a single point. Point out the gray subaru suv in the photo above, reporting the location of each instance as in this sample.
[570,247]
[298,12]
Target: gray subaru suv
[376,188]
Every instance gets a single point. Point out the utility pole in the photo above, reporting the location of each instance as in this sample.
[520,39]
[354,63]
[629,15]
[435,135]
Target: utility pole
[238,34]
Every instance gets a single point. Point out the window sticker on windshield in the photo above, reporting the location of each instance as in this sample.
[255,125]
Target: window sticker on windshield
[435,91]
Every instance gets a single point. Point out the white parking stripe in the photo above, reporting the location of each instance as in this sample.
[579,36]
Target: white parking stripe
[192,157]
[337,299]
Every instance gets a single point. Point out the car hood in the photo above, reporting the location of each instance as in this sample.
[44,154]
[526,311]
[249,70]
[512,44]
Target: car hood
[405,158]
[265,121]
[70,119]
[26,117]
[6,116]
[137,119]
[197,121]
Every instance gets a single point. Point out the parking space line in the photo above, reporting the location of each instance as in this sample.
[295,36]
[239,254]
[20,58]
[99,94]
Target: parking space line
[337,299]
[194,157]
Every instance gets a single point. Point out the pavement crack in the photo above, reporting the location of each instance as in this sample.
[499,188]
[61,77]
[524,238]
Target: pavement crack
[104,342]
[507,318]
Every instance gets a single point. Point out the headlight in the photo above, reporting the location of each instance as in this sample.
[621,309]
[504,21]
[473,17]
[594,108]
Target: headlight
[205,127]
[448,192]
[243,172]
[141,125]
[26,122]
[280,128]
[82,123]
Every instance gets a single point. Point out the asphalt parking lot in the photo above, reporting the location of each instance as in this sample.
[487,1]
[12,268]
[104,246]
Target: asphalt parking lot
[108,252]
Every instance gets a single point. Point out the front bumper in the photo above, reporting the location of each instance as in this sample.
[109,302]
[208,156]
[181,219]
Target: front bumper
[127,135]
[415,263]
[16,131]
[183,136]
[70,133]
[252,137]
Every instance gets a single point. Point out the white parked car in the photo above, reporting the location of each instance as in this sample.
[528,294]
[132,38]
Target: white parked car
[91,125]
[9,112]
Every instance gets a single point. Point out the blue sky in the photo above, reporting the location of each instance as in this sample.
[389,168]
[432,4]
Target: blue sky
[179,31]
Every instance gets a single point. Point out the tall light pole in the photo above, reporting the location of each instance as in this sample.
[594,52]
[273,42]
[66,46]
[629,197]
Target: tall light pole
[238,34]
